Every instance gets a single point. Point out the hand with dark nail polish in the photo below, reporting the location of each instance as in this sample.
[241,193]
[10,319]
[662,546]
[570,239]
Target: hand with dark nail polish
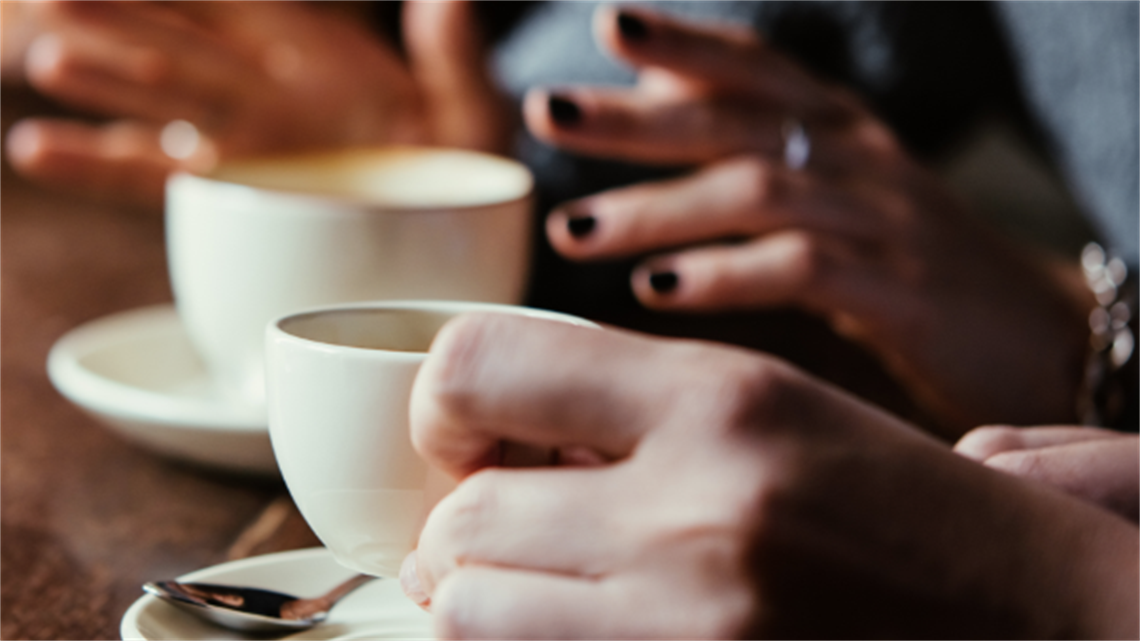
[632,28]
[663,282]
[564,111]
[581,226]
[758,227]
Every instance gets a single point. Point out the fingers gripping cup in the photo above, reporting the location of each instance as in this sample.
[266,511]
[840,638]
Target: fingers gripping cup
[339,381]
[260,238]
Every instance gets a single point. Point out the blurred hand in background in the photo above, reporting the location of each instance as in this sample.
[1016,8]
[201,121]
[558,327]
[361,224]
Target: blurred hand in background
[802,197]
[186,84]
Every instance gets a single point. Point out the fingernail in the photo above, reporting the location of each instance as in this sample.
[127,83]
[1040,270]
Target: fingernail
[632,27]
[25,142]
[44,54]
[581,226]
[179,139]
[663,282]
[564,111]
[410,582]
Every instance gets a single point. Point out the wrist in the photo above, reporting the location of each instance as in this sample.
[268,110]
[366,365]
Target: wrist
[1051,567]
[1079,567]
[1108,584]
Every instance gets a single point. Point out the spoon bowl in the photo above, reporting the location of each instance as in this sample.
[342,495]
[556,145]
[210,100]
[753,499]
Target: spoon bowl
[252,609]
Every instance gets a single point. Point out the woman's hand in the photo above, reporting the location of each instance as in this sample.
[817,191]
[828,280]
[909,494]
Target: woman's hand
[722,493]
[251,78]
[804,198]
[1097,465]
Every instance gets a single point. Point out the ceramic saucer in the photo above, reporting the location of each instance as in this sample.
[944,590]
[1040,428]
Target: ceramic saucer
[378,610]
[138,373]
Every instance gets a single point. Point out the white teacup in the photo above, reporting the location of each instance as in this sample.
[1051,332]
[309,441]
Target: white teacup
[257,239]
[339,382]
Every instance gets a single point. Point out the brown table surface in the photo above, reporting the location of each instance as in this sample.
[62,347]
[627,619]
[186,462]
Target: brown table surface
[85,516]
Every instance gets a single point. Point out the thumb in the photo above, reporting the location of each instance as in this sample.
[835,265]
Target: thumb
[448,59]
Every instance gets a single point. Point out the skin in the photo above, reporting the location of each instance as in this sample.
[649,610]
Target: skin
[253,78]
[863,235]
[1097,465]
[727,494]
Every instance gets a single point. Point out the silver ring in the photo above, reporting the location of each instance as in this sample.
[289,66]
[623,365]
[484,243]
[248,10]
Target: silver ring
[797,144]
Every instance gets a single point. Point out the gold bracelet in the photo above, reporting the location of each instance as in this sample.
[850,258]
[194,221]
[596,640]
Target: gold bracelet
[1102,398]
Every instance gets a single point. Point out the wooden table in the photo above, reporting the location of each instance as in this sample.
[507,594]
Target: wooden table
[86,517]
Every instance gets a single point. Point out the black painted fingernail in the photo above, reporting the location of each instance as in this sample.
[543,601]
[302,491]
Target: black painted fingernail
[563,111]
[663,282]
[632,27]
[581,226]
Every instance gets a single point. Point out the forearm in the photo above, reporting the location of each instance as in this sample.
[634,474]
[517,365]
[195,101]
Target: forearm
[1106,585]
[1080,569]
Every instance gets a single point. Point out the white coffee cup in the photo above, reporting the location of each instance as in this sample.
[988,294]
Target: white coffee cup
[339,382]
[259,238]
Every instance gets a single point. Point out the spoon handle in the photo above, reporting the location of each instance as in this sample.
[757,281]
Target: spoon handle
[342,590]
[307,608]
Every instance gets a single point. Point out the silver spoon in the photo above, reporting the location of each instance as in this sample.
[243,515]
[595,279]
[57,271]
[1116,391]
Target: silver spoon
[252,609]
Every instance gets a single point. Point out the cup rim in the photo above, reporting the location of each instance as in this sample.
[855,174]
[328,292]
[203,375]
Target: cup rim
[274,328]
[357,201]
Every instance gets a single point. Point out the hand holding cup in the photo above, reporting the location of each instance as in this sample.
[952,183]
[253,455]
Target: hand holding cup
[733,497]
[339,382]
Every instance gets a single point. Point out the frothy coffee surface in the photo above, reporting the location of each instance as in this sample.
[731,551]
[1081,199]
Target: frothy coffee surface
[401,177]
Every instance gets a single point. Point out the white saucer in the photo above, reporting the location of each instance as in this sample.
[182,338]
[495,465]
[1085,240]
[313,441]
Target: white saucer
[137,372]
[378,610]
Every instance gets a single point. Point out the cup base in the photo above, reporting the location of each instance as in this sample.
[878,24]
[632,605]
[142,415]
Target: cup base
[370,531]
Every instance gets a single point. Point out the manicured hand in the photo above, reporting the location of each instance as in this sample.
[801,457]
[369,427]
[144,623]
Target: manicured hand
[801,197]
[727,494]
